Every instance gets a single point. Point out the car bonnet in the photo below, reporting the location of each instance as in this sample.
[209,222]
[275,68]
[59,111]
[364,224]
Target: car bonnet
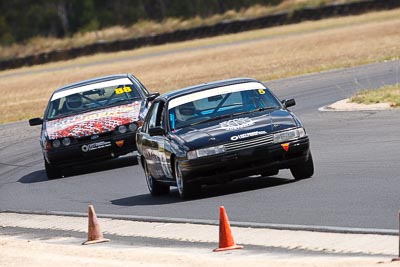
[93,122]
[237,128]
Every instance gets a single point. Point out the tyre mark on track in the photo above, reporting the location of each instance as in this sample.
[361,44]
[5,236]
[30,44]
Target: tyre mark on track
[15,165]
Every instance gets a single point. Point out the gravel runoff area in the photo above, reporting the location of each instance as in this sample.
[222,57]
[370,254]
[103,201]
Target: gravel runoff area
[48,240]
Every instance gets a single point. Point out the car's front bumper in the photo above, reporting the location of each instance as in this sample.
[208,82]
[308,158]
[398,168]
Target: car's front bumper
[245,162]
[91,150]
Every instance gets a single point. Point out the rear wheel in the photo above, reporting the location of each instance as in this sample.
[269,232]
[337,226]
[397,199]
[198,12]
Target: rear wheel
[52,171]
[304,170]
[155,187]
[185,189]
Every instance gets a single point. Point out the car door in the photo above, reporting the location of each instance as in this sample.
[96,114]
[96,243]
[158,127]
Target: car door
[158,142]
[146,142]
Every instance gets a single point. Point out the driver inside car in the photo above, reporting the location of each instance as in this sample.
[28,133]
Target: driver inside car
[74,102]
[185,111]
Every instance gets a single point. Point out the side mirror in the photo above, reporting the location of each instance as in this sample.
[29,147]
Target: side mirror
[35,121]
[289,102]
[156,131]
[153,96]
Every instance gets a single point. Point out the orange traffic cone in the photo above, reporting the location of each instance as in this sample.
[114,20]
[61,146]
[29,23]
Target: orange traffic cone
[226,241]
[94,233]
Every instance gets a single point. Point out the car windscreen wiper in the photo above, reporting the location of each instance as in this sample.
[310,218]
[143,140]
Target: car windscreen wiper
[251,111]
[66,114]
[121,101]
[264,108]
[213,119]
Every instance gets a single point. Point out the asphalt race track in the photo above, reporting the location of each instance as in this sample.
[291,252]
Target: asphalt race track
[356,156]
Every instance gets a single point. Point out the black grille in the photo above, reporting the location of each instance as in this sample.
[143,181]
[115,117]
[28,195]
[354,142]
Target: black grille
[88,138]
[249,143]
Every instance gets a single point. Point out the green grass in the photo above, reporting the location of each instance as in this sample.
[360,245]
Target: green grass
[385,94]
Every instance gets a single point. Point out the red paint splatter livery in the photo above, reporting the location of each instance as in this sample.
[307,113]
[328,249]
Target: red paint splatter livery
[95,122]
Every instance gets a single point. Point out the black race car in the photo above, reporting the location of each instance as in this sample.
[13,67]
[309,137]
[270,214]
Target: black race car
[91,120]
[217,132]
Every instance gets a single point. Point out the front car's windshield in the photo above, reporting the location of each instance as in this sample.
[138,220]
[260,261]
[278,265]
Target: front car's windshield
[92,96]
[204,106]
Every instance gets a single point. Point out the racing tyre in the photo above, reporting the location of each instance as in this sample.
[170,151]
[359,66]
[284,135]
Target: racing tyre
[186,190]
[304,170]
[155,187]
[52,171]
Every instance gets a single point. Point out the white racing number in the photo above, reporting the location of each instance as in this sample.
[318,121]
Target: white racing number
[163,160]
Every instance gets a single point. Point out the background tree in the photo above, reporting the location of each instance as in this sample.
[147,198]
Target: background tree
[21,20]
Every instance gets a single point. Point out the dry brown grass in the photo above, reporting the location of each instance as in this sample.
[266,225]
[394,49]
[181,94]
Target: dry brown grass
[144,28]
[385,94]
[287,51]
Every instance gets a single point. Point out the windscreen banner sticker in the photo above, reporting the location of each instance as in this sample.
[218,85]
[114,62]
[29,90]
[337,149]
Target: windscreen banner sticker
[236,124]
[246,135]
[94,122]
[95,146]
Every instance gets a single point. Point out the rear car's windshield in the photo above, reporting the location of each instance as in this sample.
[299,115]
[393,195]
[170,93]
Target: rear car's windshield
[218,102]
[90,97]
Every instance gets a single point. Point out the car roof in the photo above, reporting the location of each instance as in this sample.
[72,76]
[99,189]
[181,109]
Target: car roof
[93,80]
[205,86]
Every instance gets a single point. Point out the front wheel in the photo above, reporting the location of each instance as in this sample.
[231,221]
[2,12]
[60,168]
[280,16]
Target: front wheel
[185,189]
[52,171]
[303,170]
[155,187]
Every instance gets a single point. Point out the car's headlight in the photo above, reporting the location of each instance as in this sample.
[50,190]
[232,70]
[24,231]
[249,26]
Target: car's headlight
[122,129]
[66,141]
[203,152]
[132,127]
[289,135]
[56,143]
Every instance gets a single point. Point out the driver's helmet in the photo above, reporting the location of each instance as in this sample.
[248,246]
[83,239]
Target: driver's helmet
[185,111]
[74,102]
